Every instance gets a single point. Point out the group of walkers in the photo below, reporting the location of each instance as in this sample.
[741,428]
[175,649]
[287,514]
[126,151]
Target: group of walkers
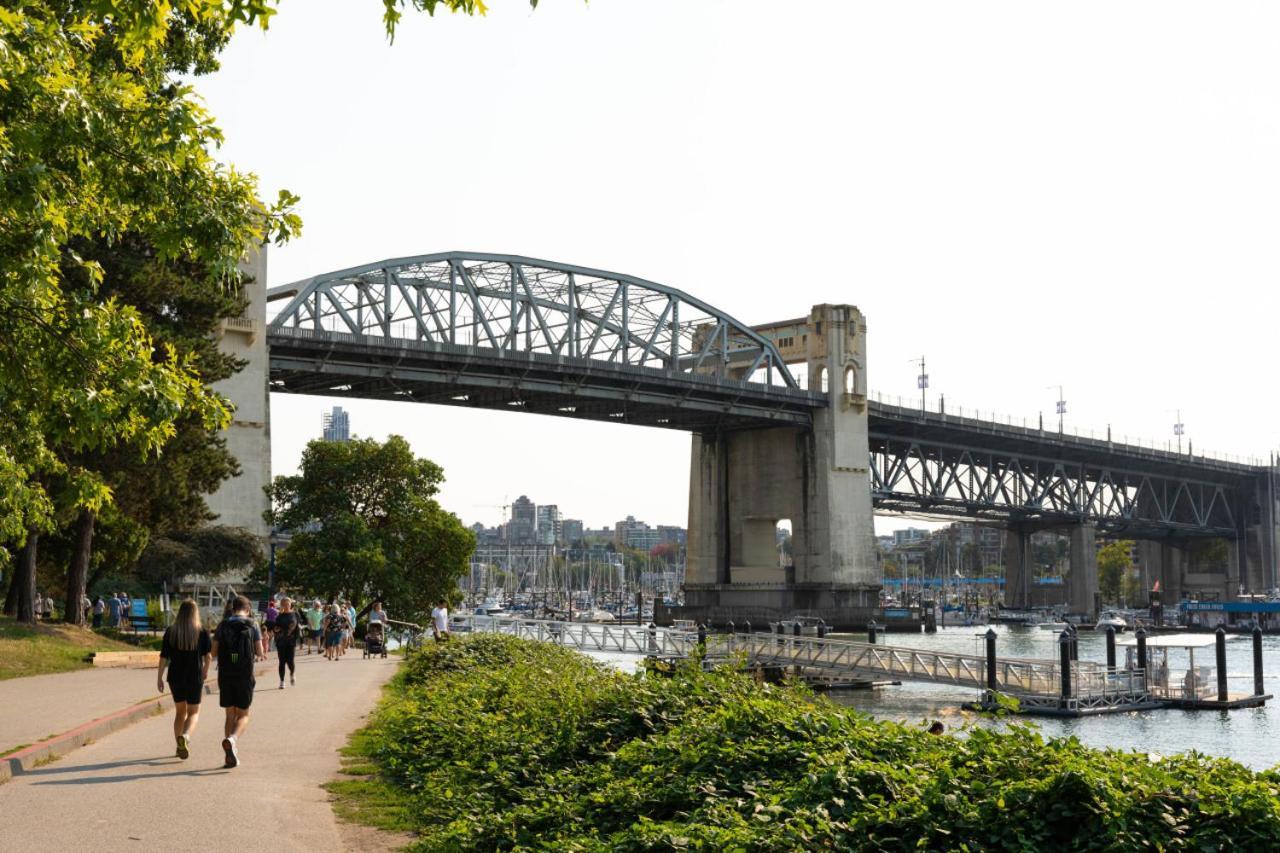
[42,606]
[237,643]
[186,652]
[114,610]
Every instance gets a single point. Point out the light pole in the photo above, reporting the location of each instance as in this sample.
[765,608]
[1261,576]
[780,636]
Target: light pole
[1177,430]
[1062,406]
[922,381]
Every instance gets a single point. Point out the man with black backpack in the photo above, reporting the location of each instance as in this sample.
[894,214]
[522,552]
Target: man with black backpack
[237,644]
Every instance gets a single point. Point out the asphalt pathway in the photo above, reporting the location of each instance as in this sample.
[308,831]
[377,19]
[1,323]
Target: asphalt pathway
[40,706]
[129,792]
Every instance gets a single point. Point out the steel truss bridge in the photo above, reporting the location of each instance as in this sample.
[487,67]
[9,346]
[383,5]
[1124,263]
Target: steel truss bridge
[518,334]
[502,331]
[947,465]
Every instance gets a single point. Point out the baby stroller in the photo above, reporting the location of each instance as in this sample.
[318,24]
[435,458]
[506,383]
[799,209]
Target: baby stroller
[375,640]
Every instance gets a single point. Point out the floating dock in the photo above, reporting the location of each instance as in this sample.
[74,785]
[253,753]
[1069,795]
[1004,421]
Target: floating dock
[1064,687]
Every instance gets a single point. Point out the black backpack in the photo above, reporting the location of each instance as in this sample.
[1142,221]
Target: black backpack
[235,649]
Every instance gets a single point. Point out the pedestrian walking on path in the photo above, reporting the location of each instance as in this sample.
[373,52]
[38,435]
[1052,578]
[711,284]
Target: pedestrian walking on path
[237,644]
[315,626]
[126,791]
[440,621]
[269,616]
[333,632]
[287,630]
[185,652]
[99,607]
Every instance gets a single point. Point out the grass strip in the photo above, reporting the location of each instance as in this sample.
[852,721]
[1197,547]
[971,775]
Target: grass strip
[45,648]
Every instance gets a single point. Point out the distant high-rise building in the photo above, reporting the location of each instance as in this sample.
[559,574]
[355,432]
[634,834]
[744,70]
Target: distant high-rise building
[337,425]
[572,531]
[635,534]
[911,534]
[672,534]
[523,527]
[549,531]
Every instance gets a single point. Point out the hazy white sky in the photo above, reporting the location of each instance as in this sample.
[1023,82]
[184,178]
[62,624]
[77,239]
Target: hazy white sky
[1029,194]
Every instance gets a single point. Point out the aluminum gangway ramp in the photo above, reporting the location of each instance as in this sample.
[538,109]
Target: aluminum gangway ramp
[870,661]
[592,636]
[1037,684]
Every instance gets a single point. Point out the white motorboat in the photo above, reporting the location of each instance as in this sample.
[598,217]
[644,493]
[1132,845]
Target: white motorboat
[1109,619]
[595,614]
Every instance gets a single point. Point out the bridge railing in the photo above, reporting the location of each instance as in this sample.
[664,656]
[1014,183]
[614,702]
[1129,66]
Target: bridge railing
[987,418]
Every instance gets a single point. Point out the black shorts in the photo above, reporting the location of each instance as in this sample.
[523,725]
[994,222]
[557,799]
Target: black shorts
[235,694]
[189,693]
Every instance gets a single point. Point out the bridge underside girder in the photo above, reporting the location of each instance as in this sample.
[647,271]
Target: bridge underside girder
[338,365]
[914,474]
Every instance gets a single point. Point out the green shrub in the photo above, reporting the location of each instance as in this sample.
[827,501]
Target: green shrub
[506,744]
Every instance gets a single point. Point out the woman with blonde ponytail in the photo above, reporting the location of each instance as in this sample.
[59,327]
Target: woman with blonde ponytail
[185,652]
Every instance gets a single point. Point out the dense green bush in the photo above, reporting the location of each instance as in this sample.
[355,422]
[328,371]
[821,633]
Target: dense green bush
[506,744]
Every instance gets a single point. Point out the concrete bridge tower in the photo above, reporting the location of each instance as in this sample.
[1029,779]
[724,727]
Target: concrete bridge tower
[241,501]
[743,483]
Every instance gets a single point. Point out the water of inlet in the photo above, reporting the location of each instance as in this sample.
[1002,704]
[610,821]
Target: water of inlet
[1250,736]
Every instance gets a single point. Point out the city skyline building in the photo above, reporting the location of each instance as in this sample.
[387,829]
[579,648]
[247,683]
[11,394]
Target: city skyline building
[336,425]
[548,530]
[522,528]
[572,530]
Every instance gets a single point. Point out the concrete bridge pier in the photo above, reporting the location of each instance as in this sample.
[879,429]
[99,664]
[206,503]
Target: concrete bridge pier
[1017,575]
[1259,557]
[1165,561]
[743,483]
[1082,575]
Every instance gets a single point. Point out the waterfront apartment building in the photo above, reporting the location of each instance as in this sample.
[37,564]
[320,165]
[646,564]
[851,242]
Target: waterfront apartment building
[672,534]
[911,534]
[636,534]
[522,529]
[548,530]
[572,531]
[336,425]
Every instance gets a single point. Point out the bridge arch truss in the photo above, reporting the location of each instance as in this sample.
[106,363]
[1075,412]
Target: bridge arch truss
[504,330]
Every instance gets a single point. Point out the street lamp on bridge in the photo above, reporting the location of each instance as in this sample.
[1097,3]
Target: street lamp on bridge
[1062,406]
[1178,429]
[922,381]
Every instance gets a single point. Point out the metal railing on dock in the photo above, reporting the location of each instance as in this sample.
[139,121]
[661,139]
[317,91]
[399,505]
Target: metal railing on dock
[1065,686]
[591,636]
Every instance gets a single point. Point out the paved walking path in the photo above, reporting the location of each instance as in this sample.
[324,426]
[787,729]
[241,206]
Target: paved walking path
[128,792]
[33,708]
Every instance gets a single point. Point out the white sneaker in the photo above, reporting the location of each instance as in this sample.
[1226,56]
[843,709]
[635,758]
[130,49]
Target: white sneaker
[282,684]
[229,747]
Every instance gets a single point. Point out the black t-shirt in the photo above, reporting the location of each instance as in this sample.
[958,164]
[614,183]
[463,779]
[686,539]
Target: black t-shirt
[287,629]
[184,667]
